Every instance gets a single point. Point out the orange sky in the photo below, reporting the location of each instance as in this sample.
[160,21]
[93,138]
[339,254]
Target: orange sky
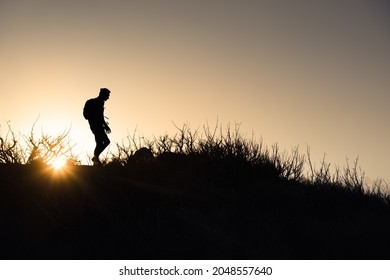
[294,72]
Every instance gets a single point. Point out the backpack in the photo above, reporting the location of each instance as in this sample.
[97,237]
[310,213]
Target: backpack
[89,109]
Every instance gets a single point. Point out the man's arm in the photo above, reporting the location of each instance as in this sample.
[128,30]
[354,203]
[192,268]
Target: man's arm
[106,127]
[102,120]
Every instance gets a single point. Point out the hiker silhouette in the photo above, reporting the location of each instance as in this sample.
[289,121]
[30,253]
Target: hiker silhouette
[94,112]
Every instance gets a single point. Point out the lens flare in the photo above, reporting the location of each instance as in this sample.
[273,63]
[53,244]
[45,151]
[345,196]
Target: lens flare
[58,163]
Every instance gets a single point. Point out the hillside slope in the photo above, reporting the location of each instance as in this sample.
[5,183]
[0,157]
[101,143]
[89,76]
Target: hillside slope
[179,210]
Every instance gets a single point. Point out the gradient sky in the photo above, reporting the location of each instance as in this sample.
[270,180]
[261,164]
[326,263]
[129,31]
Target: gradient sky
[302,72]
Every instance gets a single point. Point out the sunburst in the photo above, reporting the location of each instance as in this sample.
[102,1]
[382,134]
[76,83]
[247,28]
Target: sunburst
[58,163]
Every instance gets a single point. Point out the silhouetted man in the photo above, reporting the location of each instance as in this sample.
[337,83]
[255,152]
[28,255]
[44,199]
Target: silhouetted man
[94,113]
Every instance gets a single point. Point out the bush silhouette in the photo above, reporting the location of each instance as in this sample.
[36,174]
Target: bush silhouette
[208,194]
[33,149]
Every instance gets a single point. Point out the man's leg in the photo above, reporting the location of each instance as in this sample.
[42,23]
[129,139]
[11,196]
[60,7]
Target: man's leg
[102,142]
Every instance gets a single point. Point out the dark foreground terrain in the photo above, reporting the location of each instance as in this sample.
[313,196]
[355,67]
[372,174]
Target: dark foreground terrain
[174,210]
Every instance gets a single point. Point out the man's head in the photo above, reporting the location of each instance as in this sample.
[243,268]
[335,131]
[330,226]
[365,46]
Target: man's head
[104,94]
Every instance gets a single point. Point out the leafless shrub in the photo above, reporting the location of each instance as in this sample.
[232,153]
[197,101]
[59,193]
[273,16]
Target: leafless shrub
[126,149]
[122,154]
[213,143]
[164,144]
[353,177]
[230,144]
[10,150]
[44,148]
[379,187]
[185,141]
[288,166]
[216,143]
[323,174]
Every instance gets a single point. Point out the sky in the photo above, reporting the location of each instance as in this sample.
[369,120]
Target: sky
[306,72]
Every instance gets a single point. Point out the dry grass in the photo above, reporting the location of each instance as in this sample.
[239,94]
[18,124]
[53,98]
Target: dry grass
[208,193]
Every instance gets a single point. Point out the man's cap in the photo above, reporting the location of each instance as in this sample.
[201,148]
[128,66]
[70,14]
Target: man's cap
[105,90]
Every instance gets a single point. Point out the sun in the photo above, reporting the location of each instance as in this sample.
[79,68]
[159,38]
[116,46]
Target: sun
[58,163]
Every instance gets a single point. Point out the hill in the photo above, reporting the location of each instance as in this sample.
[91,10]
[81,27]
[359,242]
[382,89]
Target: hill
[185,207]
